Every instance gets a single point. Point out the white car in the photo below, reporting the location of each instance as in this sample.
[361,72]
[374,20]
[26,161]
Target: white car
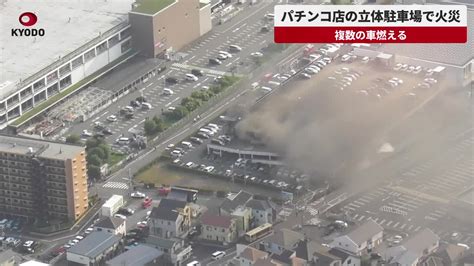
[190,164]
[310,71]
[112,118]
[222,56]
[176,153]
[305,75]
[123,217]
[169,147]
[79,237]
[194,263]
[218,255]
[89,230]
[138,195]
[86,133]
[209,169]
[142,223]
[256,54]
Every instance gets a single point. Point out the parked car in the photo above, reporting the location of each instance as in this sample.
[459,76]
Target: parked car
[171,80]
[112,118]
[137,195]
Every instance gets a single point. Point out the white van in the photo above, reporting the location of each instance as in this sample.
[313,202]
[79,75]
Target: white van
[227,54]
[191,77]
[194,263]
[235,48]
[218,255]
[123,141]
[266,89]
[206,131]
[167,91]
[216,127]
[146,106]
[274,83]
[270,16]
[187,144]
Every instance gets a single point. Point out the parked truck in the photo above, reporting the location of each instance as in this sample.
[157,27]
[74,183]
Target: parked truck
[112,205]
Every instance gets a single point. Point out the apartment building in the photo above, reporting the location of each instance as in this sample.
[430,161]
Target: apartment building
[42,181]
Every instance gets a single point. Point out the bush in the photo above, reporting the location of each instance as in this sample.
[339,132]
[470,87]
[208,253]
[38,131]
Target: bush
[94,160]
[73,139]
[93,171]
[180,112]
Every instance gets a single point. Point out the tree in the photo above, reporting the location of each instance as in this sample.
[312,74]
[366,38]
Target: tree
[94,160]
[94,142]
[180,112]
[98,152]
[159,124]
[106,149]
[150,127]
[93,171]
[73,139]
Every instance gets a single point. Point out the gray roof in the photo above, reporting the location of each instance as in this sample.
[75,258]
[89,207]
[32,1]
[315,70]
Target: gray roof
[136,256]
[307,249]
[110,222]
[94,244]
[285,238]
[41,148]
[339,253]
[239,200]
[177,195]
[421,241]
[167,209]
[365,232]
[458,54]
[258,204]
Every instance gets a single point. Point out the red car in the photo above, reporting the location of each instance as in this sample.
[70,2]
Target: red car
[147,202]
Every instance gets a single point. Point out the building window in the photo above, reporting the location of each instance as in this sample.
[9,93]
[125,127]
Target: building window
[52,77]
[64,70]
[125,33]
[39,84]
[102,47]
[77,62]
[126,46]
[65,82]
[89,55]
[114,40]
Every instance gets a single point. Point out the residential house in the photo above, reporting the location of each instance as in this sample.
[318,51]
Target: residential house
[171,218]
[112,225]
[95,249]
[347,258]
[262,212]
[288,258]
[218,228]
[232,203]
[412,252]
[267,262]
[316,254]
[448,255]
[242,217]
[280,241]
[363,238]
[175,250]
[140,255]
[247,255]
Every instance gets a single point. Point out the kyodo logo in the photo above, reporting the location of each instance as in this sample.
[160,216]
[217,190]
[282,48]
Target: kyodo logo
[27,19]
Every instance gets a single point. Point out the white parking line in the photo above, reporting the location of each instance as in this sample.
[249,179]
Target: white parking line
[389,223]
[403,226]
[361,217]
[168,104]
[381,222]
[409,228]
[395,225]
[418,228]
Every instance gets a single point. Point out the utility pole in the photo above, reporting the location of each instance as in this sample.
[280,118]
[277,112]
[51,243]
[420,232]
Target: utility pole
[130,180]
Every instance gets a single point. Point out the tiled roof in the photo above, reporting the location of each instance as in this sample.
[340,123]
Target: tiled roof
[285,238]
[252,254]
[216,220]
[110,222]
[239,200]
[167,209]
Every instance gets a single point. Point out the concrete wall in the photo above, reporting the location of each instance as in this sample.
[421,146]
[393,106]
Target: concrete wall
[154,34]
[76,186]
[205,22]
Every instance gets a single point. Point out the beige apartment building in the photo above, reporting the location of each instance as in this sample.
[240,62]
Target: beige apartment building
[41,180]
[160,27]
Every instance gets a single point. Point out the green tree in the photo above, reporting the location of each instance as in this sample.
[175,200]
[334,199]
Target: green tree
[93,171]
[159,124]
[73,139]
[180,112]
[97,151]
[106,149]
[94,142]
[94,160]
[150,127]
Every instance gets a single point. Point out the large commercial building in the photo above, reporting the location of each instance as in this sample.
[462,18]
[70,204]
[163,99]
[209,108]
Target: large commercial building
[80,41]
[160,27]
[40,180]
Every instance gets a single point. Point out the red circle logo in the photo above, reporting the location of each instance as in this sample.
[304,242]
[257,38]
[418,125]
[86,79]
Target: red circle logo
[28,19]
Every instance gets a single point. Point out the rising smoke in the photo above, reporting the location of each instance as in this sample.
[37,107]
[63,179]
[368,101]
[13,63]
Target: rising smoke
[331,133]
